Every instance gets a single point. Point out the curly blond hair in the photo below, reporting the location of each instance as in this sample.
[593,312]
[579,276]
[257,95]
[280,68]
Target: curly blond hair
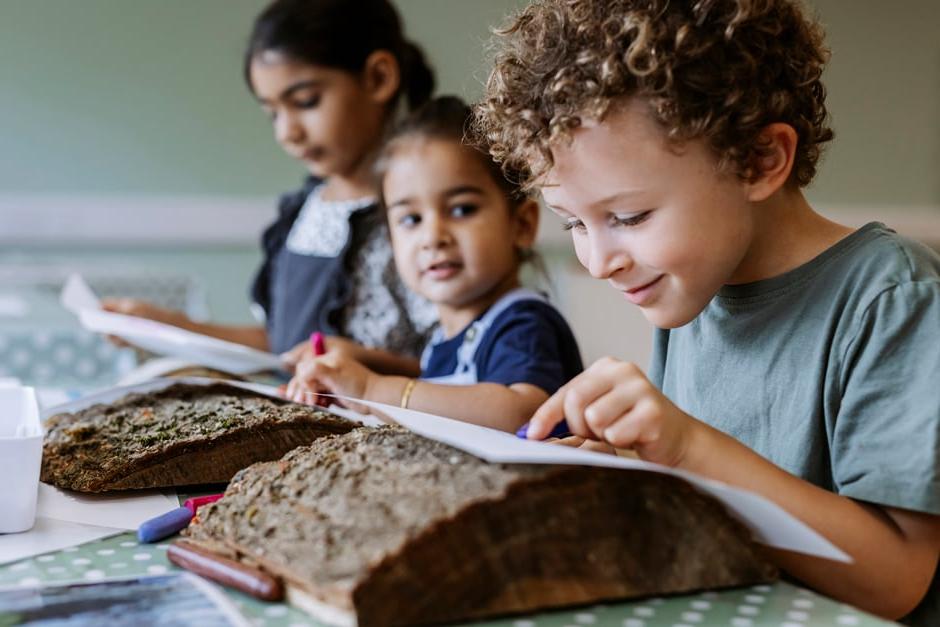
[716,70]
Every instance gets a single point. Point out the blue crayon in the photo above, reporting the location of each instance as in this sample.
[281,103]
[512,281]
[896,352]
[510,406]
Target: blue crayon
[164,525]
[558,431]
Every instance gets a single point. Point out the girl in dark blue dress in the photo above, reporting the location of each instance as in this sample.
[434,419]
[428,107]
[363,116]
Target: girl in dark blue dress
[460,231]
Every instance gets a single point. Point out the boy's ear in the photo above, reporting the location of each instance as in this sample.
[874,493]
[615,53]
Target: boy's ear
[526,217]
[774,162]
[381,76]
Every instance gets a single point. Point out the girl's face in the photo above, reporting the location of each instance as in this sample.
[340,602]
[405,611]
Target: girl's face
[664,228]
[326,118]
[454,234]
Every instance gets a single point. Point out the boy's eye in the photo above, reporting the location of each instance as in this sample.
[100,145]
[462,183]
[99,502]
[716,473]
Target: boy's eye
[632,220]
[573,223]
[462,210]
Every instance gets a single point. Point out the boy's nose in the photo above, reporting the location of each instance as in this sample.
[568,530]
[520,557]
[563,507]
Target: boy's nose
[606,260]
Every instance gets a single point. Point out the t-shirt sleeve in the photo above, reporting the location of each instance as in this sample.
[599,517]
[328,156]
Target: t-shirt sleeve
[886,437]
[531,347]
[656,371]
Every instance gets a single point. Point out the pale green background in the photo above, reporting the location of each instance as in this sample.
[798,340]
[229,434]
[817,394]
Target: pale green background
[142,97]
[132,96]
[135,98]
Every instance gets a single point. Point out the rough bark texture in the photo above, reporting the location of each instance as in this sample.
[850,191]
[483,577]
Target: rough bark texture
[182,435]
[383,527]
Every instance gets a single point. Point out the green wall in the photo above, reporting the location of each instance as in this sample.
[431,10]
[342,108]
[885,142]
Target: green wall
[135,97]
[884,95]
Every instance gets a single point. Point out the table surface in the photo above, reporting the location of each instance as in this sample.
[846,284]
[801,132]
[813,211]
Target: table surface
[778,605]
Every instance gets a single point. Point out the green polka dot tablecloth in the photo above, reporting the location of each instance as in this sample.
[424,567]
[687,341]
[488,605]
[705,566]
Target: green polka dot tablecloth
[779,605]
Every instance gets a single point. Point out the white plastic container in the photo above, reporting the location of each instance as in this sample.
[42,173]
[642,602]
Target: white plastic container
[20,457]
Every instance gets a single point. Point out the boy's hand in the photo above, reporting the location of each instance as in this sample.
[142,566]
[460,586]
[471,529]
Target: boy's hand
[332,373]
[614,402]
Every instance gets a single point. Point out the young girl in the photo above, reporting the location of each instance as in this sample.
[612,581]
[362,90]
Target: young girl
[460,231]
[794,357]
[331,75]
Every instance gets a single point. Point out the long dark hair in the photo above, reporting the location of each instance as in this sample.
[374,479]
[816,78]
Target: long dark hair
[340,34]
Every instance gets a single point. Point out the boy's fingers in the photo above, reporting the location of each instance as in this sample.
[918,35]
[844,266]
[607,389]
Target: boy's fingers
[573,441]
[598,447]
[639,425]
[547,416]
[582,392]
[624,433]
[608,407]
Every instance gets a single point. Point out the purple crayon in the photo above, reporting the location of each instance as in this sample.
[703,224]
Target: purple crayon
[164,525]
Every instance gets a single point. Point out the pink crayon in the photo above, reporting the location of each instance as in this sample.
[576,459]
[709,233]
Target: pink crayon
[196,502]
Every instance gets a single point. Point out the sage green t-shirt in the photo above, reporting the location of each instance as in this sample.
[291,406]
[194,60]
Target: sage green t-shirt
[831,371]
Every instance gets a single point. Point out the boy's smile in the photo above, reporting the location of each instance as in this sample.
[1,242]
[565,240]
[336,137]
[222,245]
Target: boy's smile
[659,224]
[642,293]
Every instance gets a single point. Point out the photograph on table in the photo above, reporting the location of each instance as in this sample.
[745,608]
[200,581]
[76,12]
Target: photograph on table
[177,600]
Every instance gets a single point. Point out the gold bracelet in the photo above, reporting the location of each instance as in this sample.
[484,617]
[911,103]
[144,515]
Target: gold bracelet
[406,393]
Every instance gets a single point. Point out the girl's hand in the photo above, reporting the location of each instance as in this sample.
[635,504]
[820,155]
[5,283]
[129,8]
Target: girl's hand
[332,344]
[614,402]
[332,373]
[141,309]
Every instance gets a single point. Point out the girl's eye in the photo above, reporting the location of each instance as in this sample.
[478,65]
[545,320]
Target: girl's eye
[409,220]
[567,225]
[632,220]
[462,211]
[310,102]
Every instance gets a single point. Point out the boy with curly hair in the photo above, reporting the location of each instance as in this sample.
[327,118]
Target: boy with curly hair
[794,357]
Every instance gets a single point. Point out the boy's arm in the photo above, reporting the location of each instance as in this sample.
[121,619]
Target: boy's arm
[895,551]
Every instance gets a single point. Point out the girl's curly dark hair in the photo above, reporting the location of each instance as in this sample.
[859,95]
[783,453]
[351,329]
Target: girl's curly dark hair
[718,70]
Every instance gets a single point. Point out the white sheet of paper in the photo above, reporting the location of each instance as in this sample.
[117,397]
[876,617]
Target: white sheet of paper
[163,339]
[117,510]
[769,523]
[154,369]
[49,535]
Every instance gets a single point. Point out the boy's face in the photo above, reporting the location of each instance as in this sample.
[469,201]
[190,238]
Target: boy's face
[664,228]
